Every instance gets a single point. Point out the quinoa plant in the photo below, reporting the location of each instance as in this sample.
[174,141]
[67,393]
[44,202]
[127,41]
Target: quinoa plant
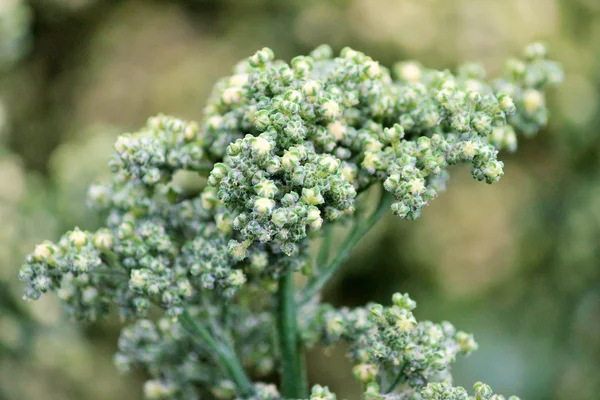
[218,283]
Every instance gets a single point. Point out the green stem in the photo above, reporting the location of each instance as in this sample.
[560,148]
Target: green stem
[357,232]
[325,248]
[223,355]
[399,378]
[293,380]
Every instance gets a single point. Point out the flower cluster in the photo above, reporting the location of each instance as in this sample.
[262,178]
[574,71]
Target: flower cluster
[445,391]
[276,198]
[392,352]
[76,270]
[177,362]
[170,356]
[153,154]
[284,149]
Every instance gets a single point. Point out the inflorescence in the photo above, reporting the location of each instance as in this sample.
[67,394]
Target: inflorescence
[283,151]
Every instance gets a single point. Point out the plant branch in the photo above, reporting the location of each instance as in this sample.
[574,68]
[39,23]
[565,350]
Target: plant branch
[223,355]
[325,248]
[399,378]
[357,232]
[293,380]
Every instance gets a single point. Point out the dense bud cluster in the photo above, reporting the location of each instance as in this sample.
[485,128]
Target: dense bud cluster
[445,391]
[152,155]
[177,363]
[284,150]
[75,269]
[169,355]
[277,198]
[390,349]
[404,133]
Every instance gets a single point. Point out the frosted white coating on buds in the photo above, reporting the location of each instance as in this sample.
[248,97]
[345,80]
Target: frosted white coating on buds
[175,361]
[403,132]
[445,391]
[388,345]
[285,149]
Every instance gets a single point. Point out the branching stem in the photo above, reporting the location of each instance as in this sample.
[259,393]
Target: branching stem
[223,355]
[293,379]
[359,229]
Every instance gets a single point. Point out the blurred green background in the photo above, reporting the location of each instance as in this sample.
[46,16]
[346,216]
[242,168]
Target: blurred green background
[516,263]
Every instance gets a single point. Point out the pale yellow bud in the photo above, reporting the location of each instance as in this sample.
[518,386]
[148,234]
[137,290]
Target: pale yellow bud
[232,95]
[337,129]
[533,100]
[410,71]
[416,186]
[42,252]
[264,205]
[238,80]
[261,145]
[469,149]
[331,109]
[78,238]
[405,323]
[103,240]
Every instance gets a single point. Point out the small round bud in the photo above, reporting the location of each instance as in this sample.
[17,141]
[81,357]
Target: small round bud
[466,342]
[232,95]
[238,250]
[405,322]
[264,205]
[43,252]
[506,103]
[236,278]
[494,170]
[262,120]
[261,145]
[261,57]
[365,372]
[330,110]
[238,80]
[337,129]
[482,391]
[416,186]
[191,131]
[103,240]
[312,196]
[470,149]
[138,279]
[535,51]
[393,134]
[403,301]
[78,238]
[314,219]
[372,162]
[409,71]
[533,100]
[155,389]
[373,69]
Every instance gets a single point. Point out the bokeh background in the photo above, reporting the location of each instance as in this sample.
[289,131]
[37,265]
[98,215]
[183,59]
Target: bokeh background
[516,263]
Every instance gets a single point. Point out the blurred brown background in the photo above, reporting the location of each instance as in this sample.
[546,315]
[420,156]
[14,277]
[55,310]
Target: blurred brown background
[516,263]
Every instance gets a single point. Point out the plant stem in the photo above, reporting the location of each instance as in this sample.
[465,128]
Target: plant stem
[399,378]
[223,355]
[325,248]
[293,379]
[358,231]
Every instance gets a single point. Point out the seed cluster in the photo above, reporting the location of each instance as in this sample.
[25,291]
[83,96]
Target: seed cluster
[284,149]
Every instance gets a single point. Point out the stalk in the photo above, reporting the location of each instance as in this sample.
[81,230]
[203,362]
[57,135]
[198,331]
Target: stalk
[223,355]
[293,379]
[358,231]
